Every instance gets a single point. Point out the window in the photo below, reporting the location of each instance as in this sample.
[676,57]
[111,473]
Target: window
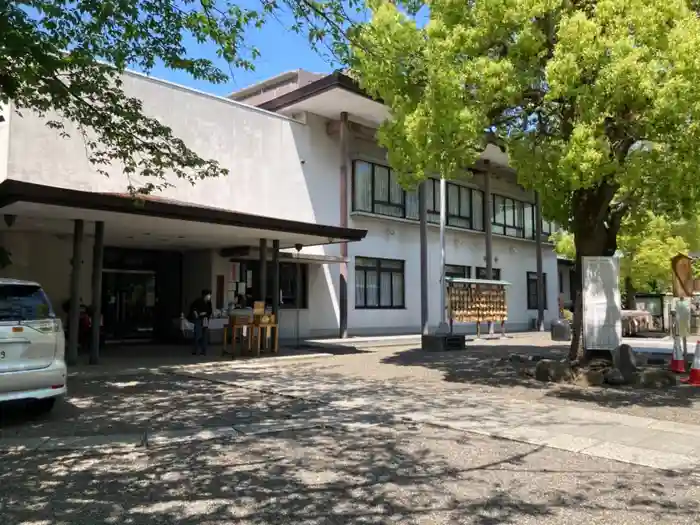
[379,283]
[532,290]
[288,285]
[24,302]
[458,271]
[481,273]
[376,189]
[508,216]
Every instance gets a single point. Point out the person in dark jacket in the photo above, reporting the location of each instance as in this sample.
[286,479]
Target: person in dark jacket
[200,313]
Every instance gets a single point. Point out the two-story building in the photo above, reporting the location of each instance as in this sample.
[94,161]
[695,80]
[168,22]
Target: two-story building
[305,172]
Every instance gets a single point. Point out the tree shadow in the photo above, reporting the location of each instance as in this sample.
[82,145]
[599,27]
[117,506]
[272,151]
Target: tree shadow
[492,367]
[365,476]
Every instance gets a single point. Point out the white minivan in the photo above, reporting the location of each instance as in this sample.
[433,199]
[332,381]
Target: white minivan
[32,346]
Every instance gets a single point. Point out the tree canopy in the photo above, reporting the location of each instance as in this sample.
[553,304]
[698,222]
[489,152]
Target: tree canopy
[597,101]
[64,58]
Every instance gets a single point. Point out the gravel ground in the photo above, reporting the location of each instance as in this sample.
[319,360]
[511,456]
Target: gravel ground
[406,475]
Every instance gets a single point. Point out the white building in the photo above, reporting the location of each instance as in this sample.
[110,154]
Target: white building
[304,170]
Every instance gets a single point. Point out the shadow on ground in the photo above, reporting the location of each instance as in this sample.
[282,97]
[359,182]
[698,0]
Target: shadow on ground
[489,366]
[132,404]
[367,476]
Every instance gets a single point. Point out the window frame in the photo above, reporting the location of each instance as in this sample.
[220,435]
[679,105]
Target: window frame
[382,273]
[496,276]
[464,274]
[531,277]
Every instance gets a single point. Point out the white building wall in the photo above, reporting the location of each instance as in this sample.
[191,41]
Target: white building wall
[4,140]
[399,240]
[278,167]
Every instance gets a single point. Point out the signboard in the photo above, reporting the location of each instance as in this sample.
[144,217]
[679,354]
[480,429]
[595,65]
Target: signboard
[602,306]
[682,271]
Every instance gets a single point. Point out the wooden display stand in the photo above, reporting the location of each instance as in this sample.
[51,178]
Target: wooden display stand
[252,335]
[477,301]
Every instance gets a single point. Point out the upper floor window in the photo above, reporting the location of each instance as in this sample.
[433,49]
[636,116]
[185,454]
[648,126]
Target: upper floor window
[376,189]
[458,271]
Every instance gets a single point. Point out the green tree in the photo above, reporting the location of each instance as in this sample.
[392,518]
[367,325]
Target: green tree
[64,58]
[597,102]
[646,246]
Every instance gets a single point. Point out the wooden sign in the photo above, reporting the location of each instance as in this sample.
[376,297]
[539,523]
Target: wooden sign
[682,272]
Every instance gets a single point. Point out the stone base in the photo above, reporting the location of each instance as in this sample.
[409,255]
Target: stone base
[443,343]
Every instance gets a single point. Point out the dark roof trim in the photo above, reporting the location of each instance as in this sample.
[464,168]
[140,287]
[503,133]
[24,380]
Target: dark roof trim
[334,80]
[12,191]
[248,252]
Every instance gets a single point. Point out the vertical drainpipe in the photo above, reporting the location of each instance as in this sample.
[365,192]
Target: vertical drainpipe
[488,230]
[344,161]
[540,274]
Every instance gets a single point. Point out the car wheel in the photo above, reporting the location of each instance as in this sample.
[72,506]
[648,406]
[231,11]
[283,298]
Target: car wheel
[43,406]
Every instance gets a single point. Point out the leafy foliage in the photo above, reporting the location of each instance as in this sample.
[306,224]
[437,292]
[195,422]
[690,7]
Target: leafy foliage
[646,245]
[64,58]
[597,102]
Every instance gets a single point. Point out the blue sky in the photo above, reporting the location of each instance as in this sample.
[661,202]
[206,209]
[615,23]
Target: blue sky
[281,50]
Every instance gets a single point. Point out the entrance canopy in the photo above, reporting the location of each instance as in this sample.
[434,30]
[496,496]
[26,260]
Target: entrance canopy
[154,222]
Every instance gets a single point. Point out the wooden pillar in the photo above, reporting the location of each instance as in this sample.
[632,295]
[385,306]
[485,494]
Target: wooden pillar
[74,313]
[540,274]
[97,262]
[263,270]
[343,284]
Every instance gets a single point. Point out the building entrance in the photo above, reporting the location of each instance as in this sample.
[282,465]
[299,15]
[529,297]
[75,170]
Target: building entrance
[128,304]
[141,294]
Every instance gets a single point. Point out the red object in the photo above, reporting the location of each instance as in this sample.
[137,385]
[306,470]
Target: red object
[694,377]
[677,362]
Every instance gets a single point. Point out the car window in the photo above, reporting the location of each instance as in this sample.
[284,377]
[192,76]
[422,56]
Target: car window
[21,302]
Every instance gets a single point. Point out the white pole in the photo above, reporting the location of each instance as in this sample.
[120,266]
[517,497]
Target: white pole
[443,328]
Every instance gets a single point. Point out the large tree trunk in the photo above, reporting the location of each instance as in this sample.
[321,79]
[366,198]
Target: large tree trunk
[595,227]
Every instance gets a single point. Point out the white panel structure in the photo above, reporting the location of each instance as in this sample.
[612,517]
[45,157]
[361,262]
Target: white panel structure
[602,306]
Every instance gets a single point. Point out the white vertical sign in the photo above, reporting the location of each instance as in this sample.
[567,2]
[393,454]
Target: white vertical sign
[602,306]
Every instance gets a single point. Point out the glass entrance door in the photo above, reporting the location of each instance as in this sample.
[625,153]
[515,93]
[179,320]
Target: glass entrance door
[128,304]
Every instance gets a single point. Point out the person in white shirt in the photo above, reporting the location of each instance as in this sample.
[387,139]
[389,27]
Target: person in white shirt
[683,320]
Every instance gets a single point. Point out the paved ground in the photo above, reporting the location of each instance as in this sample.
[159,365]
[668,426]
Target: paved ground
[392,436]
[366,476]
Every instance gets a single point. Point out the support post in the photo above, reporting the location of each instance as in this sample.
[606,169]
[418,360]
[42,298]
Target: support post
[343,284]
[443,328]
[263,269]
[423,215]
[97,262]
[540,274]
[488,231]
[276,280]
[74,314]
[297,303]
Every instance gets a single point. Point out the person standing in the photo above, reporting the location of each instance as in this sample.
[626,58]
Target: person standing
[683,319]
[200,313]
